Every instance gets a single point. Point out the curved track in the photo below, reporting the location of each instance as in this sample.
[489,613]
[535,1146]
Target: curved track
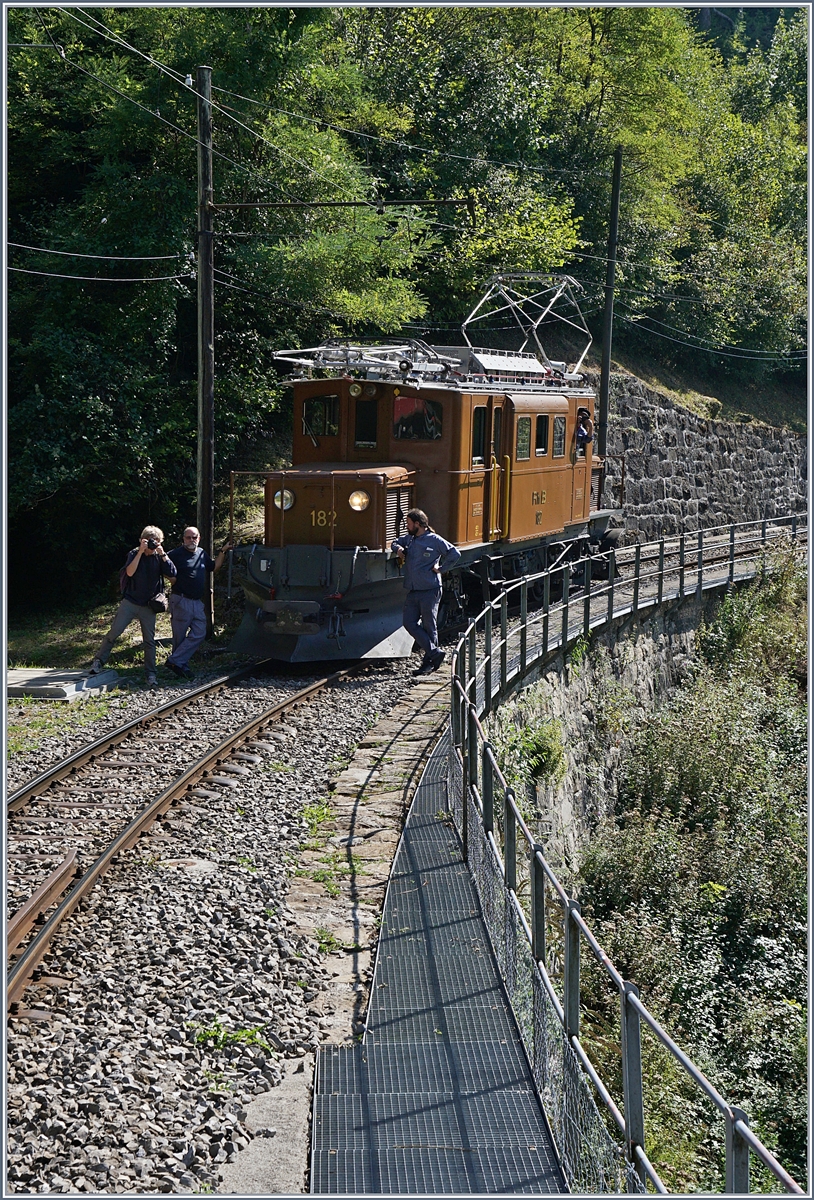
[119,791]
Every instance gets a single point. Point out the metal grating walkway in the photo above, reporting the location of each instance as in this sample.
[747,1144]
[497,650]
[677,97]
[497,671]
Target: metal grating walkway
[439,1097]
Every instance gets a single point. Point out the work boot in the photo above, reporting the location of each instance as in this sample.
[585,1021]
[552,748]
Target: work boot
[438,659]
[426,667]
[97,666]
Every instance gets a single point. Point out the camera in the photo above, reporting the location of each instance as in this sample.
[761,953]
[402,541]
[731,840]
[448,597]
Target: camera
[152,544]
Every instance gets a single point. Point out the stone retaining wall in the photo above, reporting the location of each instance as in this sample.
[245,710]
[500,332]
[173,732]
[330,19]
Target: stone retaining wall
[683,471]
[631,668]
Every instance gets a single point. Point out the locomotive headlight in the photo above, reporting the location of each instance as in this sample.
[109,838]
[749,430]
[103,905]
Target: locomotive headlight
[358,501]
[355,389]
[284,499]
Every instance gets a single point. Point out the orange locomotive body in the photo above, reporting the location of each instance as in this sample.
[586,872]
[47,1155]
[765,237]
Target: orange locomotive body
[484,441]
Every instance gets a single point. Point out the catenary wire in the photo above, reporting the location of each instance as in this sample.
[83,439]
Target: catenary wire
[708,341]
[104,257]
[706,349]
[102,278]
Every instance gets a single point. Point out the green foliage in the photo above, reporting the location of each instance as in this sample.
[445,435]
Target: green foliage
[696,885]
[219,1035]
[517,108]
[532,752]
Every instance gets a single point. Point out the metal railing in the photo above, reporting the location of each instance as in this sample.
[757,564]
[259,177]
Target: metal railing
[496,851]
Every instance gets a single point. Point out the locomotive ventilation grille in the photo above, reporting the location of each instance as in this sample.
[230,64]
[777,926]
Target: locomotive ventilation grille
[596,487]
[399,503]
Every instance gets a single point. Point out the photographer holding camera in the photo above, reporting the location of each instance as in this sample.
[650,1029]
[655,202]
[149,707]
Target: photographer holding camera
[141,579]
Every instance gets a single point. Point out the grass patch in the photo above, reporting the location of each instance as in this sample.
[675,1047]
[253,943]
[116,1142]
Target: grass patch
[29,721]
[315,815]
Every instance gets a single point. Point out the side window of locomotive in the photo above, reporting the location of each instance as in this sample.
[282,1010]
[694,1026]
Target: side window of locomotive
[416,419]
[541,437]
[478,436]
[523,447]
[559,438]
[320,416]
[365,433]
[497,420]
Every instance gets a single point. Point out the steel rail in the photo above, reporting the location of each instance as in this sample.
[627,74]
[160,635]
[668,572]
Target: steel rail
[66,766]
[20,925]
[20,973]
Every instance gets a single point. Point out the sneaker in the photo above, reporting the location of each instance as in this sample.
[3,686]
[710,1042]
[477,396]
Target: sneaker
[178,671]
[438,659]
[426,667]
[187,673]
[151,681]
[97,666]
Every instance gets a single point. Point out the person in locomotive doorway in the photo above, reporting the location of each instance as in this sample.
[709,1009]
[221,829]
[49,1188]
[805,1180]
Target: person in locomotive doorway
[187,612]
[424,554]
[584,432]
[142,577]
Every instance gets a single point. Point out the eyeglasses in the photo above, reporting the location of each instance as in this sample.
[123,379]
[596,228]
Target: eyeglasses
[192,537]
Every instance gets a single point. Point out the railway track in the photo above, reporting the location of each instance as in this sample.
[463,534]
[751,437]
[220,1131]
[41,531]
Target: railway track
[67,826]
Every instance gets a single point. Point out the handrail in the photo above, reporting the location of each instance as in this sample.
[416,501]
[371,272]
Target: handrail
[478,683]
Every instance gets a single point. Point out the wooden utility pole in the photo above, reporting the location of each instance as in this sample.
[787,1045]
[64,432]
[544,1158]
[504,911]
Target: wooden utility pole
[206,333]
[607,329]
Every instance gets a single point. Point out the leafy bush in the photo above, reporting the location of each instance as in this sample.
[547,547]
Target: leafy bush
[696,886]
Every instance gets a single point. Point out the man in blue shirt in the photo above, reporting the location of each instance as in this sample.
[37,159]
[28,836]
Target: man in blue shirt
[425,554]
[187,612]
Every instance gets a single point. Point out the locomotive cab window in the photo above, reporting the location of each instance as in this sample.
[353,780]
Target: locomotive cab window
[558,450]
[497,420]
[541,437]
[366,428]
[320,416]
[523,445]
[478,436]
[416,419]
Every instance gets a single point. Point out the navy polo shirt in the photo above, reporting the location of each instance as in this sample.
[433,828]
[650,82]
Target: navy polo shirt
[192,567]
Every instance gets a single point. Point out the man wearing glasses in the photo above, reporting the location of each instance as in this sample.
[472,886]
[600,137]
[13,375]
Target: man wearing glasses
[187,612]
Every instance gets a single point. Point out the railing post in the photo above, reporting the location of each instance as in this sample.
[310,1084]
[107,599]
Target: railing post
[537,875]
[571,972]
[731,555]
[488,791]
[611,583]
[794,527]
[472,662]
[637,570]
[509,842]
[632,1077]
[566,587]
[700,588]
[473,747]
[763,532]
[524,614]
[737,1156]
[487,668]
[681,567]
[546,608]
[660,593]
[586,603]
[504,648]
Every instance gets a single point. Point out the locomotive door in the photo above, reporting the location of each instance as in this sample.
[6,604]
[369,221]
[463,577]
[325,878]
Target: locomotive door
[580,491]
[494,473]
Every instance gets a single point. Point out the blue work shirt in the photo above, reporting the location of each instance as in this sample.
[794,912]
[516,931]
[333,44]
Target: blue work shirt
[193,566]
[148,577]
[422,553]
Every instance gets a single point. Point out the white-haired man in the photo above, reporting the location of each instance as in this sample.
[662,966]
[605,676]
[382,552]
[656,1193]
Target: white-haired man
[187,612]
[142,578]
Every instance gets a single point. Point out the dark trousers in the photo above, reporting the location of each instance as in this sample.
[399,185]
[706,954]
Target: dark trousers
[423,606]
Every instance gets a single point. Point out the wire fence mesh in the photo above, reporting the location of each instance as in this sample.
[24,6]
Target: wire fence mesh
[593,1163]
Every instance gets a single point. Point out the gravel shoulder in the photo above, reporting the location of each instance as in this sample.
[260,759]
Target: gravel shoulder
[171,1020]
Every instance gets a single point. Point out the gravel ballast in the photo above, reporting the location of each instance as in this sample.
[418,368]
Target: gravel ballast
[177,994]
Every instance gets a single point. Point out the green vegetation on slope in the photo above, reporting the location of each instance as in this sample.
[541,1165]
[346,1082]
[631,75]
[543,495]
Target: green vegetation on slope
[519,108]
[696,888]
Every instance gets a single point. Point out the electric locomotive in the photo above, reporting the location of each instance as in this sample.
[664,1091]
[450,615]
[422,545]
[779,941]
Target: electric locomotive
[483,440]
